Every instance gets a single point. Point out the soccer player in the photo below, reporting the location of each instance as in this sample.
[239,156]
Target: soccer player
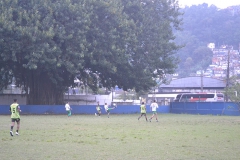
[107,109]
[154,107]
[143,111]
[68,109]
[15,116]
[98,108]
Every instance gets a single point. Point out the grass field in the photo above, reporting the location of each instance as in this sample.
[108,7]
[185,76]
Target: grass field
[121,137]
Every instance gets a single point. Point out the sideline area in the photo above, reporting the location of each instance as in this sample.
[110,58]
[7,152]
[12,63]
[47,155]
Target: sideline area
[211,108]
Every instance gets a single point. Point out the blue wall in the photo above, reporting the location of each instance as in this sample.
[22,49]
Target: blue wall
[215,108]
[78,109]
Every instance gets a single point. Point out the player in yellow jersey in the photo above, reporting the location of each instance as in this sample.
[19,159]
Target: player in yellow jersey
[15,116]
[98,108]
[143,111]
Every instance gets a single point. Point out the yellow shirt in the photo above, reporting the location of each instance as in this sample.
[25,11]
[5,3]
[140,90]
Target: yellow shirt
[143,108]
[14,109]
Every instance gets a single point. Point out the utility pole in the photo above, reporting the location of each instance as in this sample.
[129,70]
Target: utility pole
[112,94]
[201,80]
[227,80]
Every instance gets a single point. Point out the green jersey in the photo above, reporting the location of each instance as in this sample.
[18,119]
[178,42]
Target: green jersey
[14,109]
[143,109]
[98,108]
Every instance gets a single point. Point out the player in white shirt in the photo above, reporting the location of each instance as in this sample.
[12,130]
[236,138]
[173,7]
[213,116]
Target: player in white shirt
[107,109]
[154,107]
[68,109]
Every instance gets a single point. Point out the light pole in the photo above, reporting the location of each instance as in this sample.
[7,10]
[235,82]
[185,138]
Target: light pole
[68,93]
[202,80]
[112,94]
[227,81]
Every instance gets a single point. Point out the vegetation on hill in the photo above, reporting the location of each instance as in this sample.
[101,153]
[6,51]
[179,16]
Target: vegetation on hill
[203,24]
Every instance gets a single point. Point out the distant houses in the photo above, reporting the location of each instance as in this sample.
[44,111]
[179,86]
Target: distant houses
[221,58]
[213,79]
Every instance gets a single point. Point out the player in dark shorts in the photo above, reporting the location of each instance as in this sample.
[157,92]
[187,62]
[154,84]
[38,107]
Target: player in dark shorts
[15,116]
[107,109]
[143,111]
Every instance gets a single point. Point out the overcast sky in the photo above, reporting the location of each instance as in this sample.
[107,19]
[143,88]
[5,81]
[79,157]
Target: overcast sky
[218,3]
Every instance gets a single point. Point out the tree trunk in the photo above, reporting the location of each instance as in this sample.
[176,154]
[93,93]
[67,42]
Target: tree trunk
[43,92]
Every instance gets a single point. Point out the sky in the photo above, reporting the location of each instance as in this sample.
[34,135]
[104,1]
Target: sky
[219,3]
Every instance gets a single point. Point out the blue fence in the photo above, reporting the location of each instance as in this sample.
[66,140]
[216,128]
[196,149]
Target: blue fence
[214,108]
[78,109]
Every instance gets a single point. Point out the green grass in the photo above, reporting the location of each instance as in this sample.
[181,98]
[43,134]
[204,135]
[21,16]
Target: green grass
[120,137]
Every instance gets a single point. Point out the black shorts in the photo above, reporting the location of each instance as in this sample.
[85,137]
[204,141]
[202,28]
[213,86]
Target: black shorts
[15,119]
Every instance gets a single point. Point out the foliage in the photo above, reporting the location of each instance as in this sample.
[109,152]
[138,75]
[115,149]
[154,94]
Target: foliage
[233,91]
[203,24]
[127,95]
[46,44]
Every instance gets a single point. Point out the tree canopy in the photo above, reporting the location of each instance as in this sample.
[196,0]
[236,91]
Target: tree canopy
[45,44]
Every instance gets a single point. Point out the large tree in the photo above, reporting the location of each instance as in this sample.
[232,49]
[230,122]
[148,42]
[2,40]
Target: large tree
[46,44]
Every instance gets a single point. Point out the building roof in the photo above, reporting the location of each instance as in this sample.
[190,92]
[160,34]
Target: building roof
[195,83]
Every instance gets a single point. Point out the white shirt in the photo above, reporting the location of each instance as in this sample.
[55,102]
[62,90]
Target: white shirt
[67,106]
[106,107]
[154,106]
